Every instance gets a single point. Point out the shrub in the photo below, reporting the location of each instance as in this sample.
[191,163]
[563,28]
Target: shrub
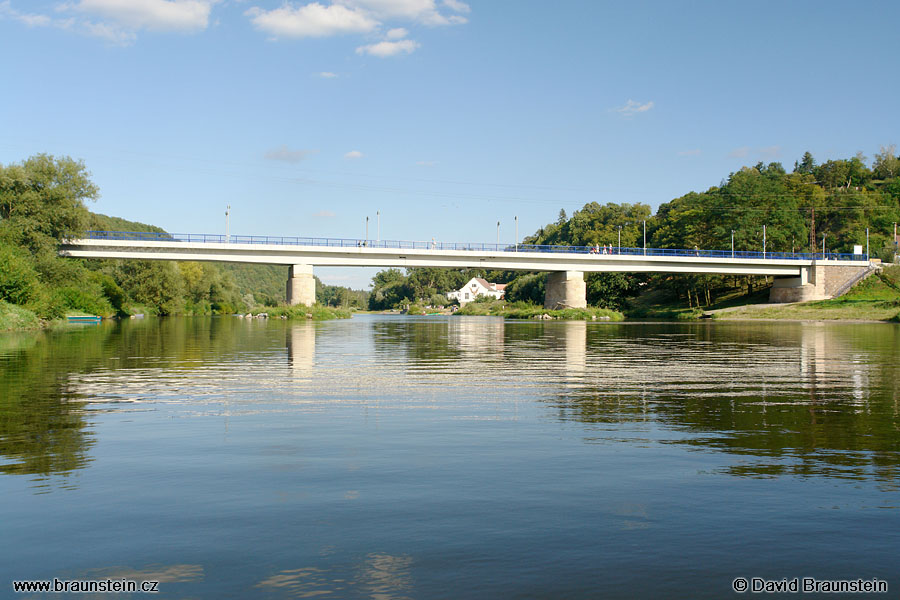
[18,279]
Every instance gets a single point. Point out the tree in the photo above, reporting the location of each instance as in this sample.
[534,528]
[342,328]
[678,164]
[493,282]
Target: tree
[806,165]
[42,200]
[886,165]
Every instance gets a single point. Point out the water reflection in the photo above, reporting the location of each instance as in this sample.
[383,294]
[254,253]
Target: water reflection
[787,398]
[378,576]
[301,348]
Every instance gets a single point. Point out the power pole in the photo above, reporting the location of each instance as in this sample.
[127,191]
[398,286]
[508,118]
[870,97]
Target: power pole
[812,231]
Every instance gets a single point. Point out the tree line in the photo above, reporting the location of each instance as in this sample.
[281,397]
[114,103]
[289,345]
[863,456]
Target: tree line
[43,200]
[833,203]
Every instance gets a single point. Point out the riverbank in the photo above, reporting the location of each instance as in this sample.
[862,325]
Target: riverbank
[302,312]
[875,299]
[524,310]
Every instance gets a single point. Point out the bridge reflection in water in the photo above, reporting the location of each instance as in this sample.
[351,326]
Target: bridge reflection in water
[798,398]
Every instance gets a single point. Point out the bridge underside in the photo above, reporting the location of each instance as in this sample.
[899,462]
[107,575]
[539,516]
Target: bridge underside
[565,285]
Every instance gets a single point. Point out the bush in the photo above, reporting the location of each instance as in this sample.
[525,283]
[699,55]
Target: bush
[86,299]
[18,279]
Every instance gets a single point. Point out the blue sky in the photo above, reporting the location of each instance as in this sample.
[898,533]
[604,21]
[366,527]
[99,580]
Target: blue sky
[443,116]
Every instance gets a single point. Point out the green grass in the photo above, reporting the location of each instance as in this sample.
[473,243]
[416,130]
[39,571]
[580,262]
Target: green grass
[875,299]
[524,310]
[16,318]
[300,311]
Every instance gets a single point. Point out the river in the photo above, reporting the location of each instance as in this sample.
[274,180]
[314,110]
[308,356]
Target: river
[450,457]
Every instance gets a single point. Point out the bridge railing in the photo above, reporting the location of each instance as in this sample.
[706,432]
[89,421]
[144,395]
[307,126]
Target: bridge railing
[215,238]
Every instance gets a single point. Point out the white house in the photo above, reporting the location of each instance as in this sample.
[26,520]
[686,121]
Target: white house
[476,288]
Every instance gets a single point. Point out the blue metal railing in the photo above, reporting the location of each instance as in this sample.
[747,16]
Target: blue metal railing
[214,238]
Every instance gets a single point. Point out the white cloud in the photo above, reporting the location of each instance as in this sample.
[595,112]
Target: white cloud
[284,154]
[311,20]
[317,19]
[632,108]
[325,214]
[426,163]
[153,15]
[457,6]
[741,152]
[770,152]
[353,154]
[118,21]
[327,75]
[385,49]
[29,19]
[419,11]
[694,152]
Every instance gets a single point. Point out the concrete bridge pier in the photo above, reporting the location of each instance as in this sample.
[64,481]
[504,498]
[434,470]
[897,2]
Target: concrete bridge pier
[301,286]
[565,289]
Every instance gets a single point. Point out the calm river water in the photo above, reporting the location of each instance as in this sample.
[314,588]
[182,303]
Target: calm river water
[466,457]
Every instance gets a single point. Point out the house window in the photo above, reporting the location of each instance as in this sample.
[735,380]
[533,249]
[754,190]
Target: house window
[467,295]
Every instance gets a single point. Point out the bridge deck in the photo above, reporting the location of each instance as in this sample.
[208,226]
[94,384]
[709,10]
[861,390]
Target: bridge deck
[384,253]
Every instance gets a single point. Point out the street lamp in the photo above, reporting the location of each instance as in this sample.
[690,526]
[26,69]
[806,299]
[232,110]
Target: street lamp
[378,231]
[764,241]
[732,243]
[645,236]
[620,240]
[867,243]
[823,246]
[517,232]
[367,230]
[227,212]
[498,234]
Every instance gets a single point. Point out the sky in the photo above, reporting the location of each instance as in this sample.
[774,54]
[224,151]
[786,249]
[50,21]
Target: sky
[434,118]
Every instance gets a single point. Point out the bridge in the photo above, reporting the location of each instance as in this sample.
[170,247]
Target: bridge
[798,276]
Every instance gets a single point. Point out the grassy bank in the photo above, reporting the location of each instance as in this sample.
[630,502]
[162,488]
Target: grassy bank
[300,311]
[875,299]
[524,310]
[16,318]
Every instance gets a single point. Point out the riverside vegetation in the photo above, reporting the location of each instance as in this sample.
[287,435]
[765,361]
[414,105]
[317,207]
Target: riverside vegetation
[43,200]
[838,199]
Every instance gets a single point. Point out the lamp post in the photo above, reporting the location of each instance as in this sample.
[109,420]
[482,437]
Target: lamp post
[378,225]
[645,237]
[867,243]
[732,243]
[764,241]
[367,230]
[498,235]
[517,232]
[823,246]
[227,212]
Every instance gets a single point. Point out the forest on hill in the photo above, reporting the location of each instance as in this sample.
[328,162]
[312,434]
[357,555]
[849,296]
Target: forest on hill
[834,203]
[43,200]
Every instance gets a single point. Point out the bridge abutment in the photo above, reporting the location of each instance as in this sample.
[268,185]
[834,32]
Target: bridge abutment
[565,289]
[301,285]
[818,282]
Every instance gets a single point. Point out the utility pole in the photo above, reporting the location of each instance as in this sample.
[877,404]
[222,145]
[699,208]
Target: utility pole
[812,230]
[227,212]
